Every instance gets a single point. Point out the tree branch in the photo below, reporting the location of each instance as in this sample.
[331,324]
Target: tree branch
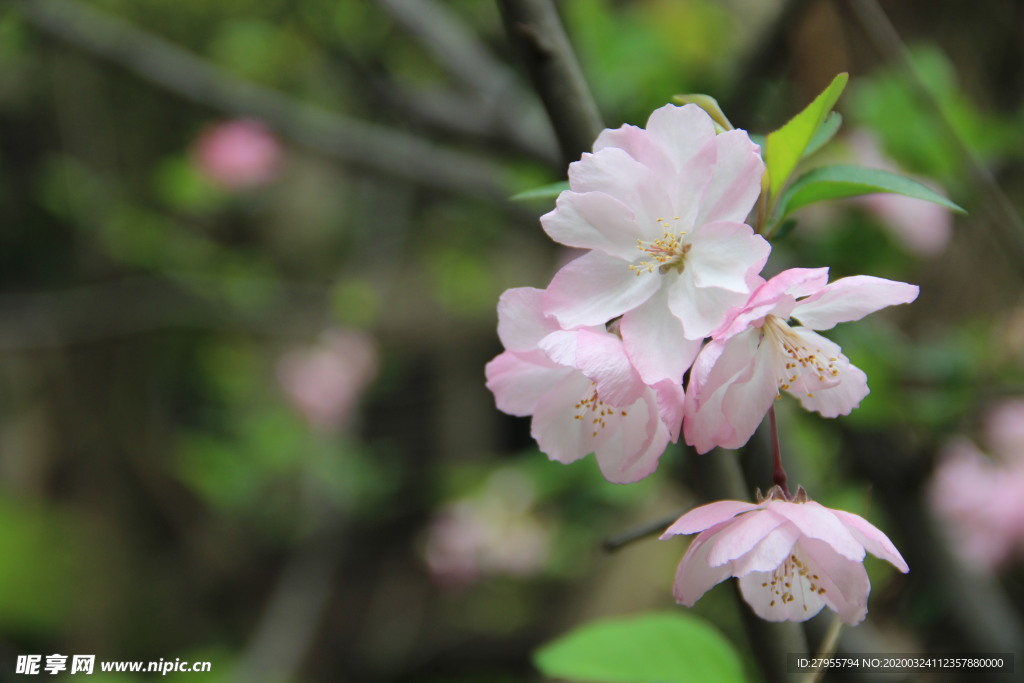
[536,33]
[349,140]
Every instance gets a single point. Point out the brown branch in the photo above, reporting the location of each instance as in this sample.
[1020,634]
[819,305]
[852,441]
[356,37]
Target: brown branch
[349,140]
[535,31]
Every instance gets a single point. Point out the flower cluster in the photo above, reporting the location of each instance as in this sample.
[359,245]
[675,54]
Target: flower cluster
[791,557]
[671,283]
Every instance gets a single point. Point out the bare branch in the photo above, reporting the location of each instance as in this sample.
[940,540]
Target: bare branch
[536,31]
[349,140]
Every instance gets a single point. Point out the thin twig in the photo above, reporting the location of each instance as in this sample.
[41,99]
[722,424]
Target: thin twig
[827,648]
[349,140]
[642,531]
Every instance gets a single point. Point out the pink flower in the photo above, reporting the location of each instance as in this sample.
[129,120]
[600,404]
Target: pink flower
[791,558]
[582,391]
[757,352]
[1004,430]
[978,501]
[661,210]
[239,154]
[324,382]
[494,532]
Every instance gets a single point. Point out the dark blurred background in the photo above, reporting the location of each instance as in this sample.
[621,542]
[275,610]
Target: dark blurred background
[250,252]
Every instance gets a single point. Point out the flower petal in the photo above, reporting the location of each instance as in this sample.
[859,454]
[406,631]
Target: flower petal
[614,172]
[745,532]
[600,356]
[736,182]
[519,380]
[772,603]
[593,220]
[695,576]
[699,309]
[842,398]
[816,521]
[595,288]
[681,131]
[655,342]
[707,516]
[639,144]
[722,254]
[873,540]
[851,298]
[842,583]
[521,320]
[748,399]
[771,552]
[554,426]
[635,439]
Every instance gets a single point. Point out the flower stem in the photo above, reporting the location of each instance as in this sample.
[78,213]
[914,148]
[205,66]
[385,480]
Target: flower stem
[778,471]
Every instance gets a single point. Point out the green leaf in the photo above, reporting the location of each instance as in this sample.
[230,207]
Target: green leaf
[836,182]
[785,147]
[656,647]
[824,134]
[543,192]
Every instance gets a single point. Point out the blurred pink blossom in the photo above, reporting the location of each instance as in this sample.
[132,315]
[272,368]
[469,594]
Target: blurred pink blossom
[979,502]
[922,227]
[494,532]
[1004,430]
[238,154]
[325,381]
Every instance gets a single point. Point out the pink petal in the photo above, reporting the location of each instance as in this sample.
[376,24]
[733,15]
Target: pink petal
[614,172]
[699,309]
[774,296]
[747,401]
[519,380]
[670,398]
[845,581]
[706,516]
[635,441]
[593,220]
[554,426]
[681,131]
[695,576]
[723,253]
[771,552]
[595,288]
[873,540]
[639,144]
[705,423]
[655,342]
[816,521]
[737,179]
[600,356]
[521,322]
[740,537]
[843,397]
[770,601]
[851,298]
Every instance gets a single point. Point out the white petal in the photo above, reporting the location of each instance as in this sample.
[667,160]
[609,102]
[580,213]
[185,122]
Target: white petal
[655,342]
[521,320]
[519,380]
[740,537]
[844,582]
[555,428]
[635,440]
[699,309]
[695,576]
[851,298]
[593,220]
[785,594]
[723,253]
[736,183]
[681,131]
[595,288]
